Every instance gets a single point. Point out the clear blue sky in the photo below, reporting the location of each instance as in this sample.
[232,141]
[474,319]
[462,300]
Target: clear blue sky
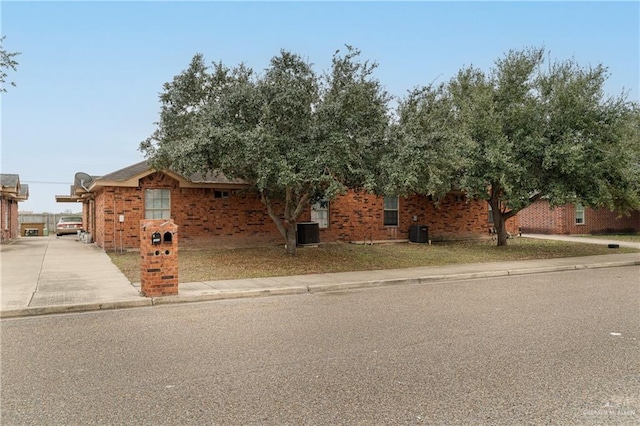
[90,72]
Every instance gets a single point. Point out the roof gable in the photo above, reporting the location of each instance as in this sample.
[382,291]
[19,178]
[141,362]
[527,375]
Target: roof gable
[10,187]
[130,176]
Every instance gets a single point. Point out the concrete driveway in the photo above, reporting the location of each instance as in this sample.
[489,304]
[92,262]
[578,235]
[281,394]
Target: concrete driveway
[34,270]
[584,240]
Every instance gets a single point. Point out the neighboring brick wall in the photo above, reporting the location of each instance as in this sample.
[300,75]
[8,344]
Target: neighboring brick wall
[601,221]
[242,218]
[8,219]
[5,214]
[87,219]
[540,218]
[14,222]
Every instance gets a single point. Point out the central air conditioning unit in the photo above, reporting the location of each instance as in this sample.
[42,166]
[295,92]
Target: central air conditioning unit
[308,233]
[419,233]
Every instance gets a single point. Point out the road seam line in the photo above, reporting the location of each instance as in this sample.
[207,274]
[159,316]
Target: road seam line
[35,290]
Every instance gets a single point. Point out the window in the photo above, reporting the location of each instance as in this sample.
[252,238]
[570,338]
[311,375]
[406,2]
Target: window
[157,204]
[490,214]
[579,214]
[320,213]
[390,211]
[221,194]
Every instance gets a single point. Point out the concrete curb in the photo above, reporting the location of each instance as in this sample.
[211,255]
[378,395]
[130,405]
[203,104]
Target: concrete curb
[542,270]
[317,288]
[313,288]
[228,294]
[608,264]
[325,288]
[81,307]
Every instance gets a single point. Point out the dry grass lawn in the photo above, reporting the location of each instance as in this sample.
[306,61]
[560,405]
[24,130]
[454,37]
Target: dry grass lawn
[210,264]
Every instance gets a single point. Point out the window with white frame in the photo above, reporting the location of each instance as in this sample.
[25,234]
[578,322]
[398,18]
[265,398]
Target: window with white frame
[490,214]
[390,211]
[579,214]
[320,213]
[157,204]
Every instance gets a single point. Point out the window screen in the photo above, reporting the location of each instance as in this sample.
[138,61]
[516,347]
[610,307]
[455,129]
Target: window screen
[320,213]
[390,211]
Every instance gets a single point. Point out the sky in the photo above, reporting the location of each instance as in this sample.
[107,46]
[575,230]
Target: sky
[90,73]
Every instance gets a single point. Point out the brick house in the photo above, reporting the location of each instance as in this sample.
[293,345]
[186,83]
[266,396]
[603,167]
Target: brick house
[11,193]
[215,210]
[540,218]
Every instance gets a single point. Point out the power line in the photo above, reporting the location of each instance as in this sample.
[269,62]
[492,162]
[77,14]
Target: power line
[46,182]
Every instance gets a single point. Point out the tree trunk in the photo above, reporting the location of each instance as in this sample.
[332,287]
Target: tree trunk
[499,223]
[287,227]
[501,213]
[499,217]
[292,240]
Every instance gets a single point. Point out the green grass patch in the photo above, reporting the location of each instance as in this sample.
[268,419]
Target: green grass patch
[210,264]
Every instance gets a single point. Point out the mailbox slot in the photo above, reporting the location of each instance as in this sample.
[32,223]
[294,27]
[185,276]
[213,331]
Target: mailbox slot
[156,238]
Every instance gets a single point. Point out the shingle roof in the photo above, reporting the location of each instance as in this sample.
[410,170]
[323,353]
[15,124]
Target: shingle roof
[9,180]
[143,166]
[127,172]
[10,185]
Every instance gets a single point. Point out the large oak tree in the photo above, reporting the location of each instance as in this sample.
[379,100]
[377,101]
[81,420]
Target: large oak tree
[521,132]
[293,135]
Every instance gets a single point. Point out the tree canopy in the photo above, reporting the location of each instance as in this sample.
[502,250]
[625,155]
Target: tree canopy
[522,132]
[292,134]
[519,132]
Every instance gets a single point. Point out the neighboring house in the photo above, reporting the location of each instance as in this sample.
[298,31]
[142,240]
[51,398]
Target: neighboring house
[212,209]
[540,218]
[11,193]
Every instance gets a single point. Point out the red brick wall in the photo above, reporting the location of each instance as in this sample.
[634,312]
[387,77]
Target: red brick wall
[8,219]
[540,218]
[98,232]
[243,219]
[358,216]
[201,217]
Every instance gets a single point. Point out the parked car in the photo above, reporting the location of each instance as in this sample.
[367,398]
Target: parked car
[68,225]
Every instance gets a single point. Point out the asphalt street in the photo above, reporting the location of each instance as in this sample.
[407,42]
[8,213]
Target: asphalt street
[553,348]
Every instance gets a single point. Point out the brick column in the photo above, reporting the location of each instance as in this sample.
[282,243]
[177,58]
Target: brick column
[158,257]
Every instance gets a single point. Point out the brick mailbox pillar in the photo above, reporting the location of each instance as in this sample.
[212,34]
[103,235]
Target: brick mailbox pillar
[158,257]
